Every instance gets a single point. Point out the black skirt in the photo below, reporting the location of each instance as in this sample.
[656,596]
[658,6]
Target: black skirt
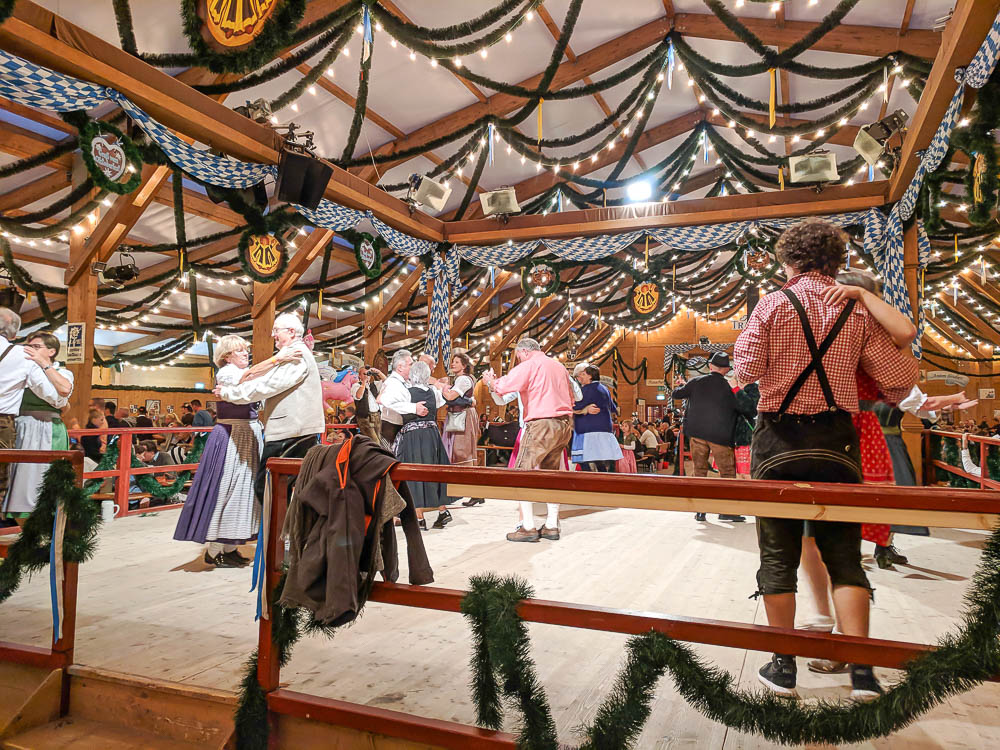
[423,446]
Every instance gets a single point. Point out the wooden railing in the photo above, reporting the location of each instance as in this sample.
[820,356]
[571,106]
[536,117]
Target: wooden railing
[903,505]
[931,462]
[60,654]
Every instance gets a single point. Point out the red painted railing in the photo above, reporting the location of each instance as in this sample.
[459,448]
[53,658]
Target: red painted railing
[795,500]
[930,462]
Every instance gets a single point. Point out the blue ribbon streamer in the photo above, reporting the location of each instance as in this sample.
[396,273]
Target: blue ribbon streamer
[366,47]
[489,135]
[257,581]
[53,585]
[670,65]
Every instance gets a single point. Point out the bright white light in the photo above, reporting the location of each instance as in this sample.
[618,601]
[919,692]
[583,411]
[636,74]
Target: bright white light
[639,191]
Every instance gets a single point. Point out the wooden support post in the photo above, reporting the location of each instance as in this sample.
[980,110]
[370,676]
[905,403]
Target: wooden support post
[911,269]
[81,307]
[373,331]
[263,322]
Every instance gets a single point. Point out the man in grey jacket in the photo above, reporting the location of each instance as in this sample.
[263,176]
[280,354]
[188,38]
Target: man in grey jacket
[292,413]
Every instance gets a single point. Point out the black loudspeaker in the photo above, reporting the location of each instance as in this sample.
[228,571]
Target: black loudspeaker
[302,179]
[11,298]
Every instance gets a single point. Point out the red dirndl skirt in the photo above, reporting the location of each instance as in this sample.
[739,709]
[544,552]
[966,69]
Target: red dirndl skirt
[876,468]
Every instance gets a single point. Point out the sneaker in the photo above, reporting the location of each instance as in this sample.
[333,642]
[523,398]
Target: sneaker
[828,666]
[778,675]
[700,517]
[443,519]
[818,624]
[732,519]
[864,685]
[547,533]
[236,559]
[523,535]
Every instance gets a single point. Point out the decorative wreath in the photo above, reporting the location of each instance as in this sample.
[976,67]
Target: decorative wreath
[96,129]
[367,252]
[754,260]
[646,298]
[539,278]
[263,260]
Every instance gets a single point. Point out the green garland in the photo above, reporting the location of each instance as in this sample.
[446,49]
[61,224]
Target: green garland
[30,553]
[501,648]
[356,239]
[146,482]
[6,8]
[528,286]
[42,157]
[95,128]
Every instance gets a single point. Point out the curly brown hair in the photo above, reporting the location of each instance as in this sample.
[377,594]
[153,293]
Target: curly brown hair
[812,245]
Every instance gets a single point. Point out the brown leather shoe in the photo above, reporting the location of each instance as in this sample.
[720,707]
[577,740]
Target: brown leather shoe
[547,533]
[523,535]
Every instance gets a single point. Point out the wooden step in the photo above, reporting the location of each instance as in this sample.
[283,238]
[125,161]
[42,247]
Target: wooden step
[84,734]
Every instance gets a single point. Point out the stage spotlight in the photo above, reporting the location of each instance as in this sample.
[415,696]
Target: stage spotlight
[501,202]
[819,166]
[871,139]
[116,276]
[639,191]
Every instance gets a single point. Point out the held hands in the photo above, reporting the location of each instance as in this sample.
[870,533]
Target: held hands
[838,293]
[38,355]
[592,409]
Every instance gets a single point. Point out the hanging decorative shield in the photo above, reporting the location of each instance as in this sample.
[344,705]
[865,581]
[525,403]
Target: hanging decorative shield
[263,256]
[539,278]
[645,299]
[227,24]
[368,253]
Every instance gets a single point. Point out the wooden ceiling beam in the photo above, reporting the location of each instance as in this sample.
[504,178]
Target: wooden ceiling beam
[395,302]
[35,190]
[970,22]
[479,303]
[848,39]
[795,202]
[533,186]
[562,330]
[954,337]
[22,143]
[197,204]
[46,39]
[520,327]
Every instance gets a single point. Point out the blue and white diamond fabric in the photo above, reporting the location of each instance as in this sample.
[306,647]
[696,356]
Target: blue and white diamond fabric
[982,65]
[699,238]
[497,255]
[223,171]
[35,86]
[401,242]
[330,215]
[592,248]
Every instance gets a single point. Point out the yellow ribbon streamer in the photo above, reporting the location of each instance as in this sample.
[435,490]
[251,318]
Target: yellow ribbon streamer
[540,102]
[319,306]
[956,248]
[978,175]
[781,177]
[772,100]
[180,256]
[647,252]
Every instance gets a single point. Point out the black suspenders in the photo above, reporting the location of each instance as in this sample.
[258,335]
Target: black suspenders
[816,352]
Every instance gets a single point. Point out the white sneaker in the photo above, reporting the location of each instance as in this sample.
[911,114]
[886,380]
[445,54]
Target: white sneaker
[818,624]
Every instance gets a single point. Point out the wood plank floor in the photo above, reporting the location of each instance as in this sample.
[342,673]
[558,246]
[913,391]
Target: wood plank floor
[147,606]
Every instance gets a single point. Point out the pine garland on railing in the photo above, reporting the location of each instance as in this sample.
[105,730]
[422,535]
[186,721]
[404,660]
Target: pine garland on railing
[30,552]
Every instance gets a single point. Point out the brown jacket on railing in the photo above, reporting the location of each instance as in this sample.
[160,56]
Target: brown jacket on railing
[340,530]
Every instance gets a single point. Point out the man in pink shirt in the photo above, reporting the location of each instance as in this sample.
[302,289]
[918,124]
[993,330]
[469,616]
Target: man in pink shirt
[547,400]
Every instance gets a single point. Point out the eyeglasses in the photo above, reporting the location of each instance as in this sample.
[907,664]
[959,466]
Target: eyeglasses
[275,330]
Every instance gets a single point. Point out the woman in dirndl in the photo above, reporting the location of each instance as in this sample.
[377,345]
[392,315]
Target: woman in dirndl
[627,439]
[595,448]
[38,427]
[461,427]
[419,442]
[221,510]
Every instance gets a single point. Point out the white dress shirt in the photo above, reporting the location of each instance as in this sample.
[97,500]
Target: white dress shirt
[356,390]
[648,439]
[395,399]
[17,372]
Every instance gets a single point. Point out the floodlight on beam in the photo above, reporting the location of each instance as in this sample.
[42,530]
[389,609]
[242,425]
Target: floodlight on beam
[501,202]
[872,139]
[428,192]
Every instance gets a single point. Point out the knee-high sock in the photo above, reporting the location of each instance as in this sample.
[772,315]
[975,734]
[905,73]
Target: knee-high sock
[552,519]
[215,548]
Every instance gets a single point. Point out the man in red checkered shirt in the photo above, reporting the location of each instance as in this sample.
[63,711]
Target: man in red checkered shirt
[805,353]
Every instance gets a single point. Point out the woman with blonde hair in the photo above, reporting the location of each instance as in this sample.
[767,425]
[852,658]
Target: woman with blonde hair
[221,510]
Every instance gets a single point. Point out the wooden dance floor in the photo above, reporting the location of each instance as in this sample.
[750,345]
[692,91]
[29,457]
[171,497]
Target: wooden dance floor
[149,607]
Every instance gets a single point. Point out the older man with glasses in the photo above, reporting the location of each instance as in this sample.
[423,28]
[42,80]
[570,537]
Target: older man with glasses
[293,398]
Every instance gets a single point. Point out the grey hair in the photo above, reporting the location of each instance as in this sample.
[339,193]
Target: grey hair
[863,279]
[10,323]
[529,345]
[398,357]
[419,373]
[290,320]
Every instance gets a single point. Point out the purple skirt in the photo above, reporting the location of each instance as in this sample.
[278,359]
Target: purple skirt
[220,505]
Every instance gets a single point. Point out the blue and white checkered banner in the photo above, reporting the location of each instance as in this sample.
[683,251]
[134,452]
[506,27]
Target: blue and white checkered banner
[401,242]
[35,86]
[497,255]
[445,273]
[889,258]
[330,215]
[592,248]
[223,171]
